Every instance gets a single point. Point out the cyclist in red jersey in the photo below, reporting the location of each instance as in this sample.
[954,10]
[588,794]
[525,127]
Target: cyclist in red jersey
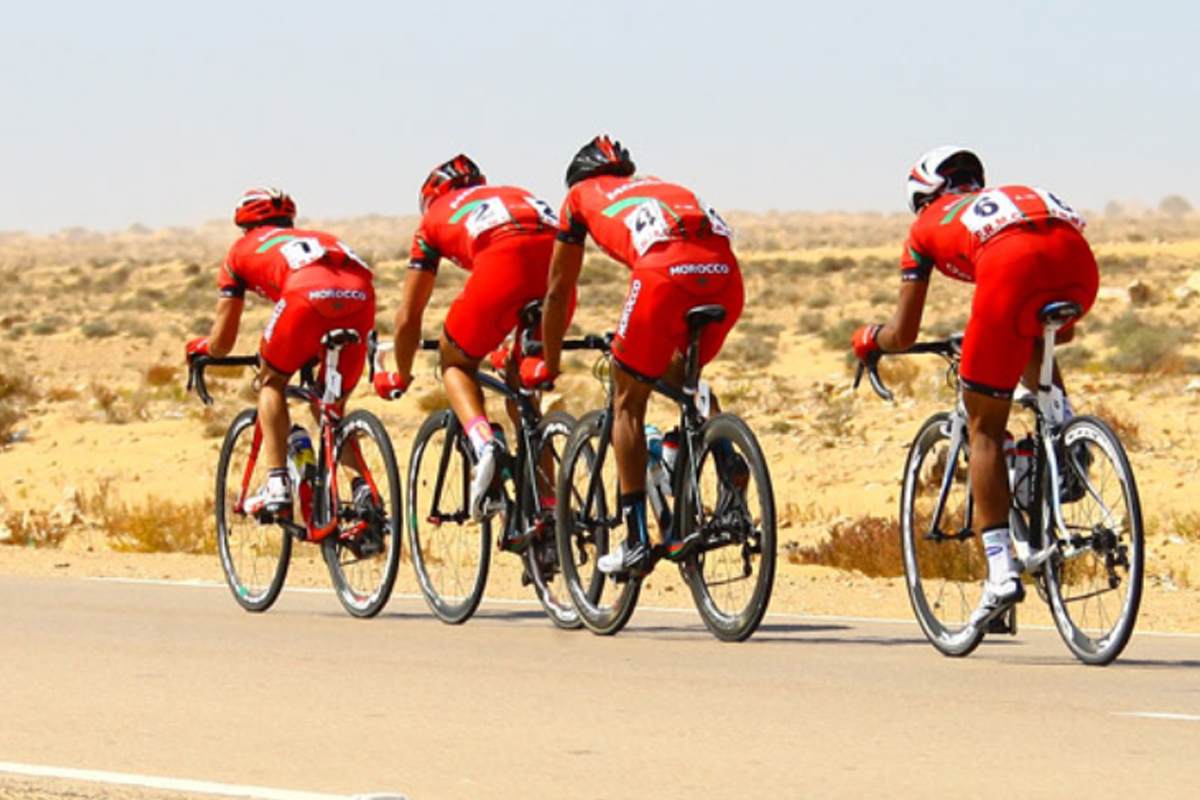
[318,284]
[503,236]
[1022,247]
[679,253]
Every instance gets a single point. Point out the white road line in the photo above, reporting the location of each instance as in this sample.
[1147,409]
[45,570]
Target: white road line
[1159,715]
[487,601]
[174,784]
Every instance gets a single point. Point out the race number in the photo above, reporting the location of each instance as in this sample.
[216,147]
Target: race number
[487,214]
[719,225]
[544,211]
[647,226]
[994,210]
[299,253]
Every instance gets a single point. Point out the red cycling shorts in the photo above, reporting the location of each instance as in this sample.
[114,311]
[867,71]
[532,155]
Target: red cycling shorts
[1016,275]
[316,300]
[509,273]
[662,288]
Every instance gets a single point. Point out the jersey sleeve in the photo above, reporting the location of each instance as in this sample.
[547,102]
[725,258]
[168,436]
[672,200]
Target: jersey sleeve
[424,256]
[915,265]
[571,227]
[229,283]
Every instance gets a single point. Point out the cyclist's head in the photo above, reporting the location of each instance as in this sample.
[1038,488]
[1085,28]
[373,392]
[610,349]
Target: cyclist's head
[600,156]
[265,206]
[457,173]
[943,169]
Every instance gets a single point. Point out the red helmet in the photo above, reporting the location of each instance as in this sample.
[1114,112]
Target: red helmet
[259,206]
[600,156]
[456,173]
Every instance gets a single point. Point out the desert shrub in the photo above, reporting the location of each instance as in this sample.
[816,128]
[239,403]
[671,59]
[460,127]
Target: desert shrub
[30,528]
[837,336]
[1142,346]
[1124,426]
[811,322]
[836,264]
[434,400]
[870,545]
[48,325]
[1185,525]
[161,526]
[98,329]
[159,375]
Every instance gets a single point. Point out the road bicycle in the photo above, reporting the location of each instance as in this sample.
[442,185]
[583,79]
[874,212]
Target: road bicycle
[1076,526]
[720,489]
[356,529]
[451,551]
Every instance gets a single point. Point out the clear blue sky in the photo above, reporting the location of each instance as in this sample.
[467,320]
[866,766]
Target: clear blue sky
[161,113]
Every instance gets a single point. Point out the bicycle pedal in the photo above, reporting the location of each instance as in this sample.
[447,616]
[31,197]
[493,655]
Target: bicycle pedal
[1003,623]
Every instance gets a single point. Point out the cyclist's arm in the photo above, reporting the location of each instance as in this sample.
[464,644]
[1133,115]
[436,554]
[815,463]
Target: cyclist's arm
[564,274]
[227,319]
[900,332]
[414,296]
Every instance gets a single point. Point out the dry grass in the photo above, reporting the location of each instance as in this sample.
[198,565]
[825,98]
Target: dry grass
[870,545]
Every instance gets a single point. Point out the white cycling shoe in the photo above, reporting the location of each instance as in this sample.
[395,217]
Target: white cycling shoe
[996,598]
[481,479]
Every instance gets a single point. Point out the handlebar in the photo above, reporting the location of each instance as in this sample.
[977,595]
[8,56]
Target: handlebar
[376,348]
[198,364]
[949,349]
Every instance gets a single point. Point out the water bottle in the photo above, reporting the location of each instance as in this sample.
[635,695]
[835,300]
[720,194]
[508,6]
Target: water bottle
[303,466]
[1019,457]
[658,483]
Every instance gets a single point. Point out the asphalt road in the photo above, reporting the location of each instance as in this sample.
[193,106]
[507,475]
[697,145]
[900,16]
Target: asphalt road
[139,690]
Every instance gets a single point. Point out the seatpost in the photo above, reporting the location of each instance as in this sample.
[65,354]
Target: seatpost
[1051,410]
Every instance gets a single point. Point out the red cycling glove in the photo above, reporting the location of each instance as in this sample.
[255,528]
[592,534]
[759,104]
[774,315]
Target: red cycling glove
[389,385]
[866,341]
[535,374]
[198,347]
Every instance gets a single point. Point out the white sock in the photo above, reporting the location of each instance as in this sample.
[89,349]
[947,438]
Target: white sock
[997,544]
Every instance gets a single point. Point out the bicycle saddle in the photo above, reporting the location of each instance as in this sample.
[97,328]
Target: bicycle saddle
[703,315]
[1059,312]
[340,337]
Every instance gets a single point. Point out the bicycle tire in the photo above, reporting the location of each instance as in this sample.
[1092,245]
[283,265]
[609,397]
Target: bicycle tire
[541,556]
[944,573]
[363,555]
[585,531]
[1095,580]
[451,553]
[733,573]
[254,555]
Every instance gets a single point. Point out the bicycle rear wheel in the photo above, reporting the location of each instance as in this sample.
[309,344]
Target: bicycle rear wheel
[944,566]
[451,553]
[1095,583]
[254,555]
[587,525]
[733,508]
[363,556]
[541,557]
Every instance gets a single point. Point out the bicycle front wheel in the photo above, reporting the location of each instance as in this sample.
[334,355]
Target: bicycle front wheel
[541,557]
[451,552]
[363,556]
[944,565]
[1095,580]
[587,525]
[733,508]
[254,555]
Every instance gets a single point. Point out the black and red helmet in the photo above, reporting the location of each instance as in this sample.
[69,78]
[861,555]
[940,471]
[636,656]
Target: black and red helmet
[262,206]
[457,173]
[600,156]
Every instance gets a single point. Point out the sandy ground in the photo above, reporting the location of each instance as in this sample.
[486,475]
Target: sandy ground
[103,416]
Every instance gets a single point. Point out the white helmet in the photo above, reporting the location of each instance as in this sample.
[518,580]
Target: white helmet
[942,168]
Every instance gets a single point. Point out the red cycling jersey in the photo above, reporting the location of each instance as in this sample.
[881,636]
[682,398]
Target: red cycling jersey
[503,236]
[462,223]
[679,250]
[1022,247]
[318,284]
